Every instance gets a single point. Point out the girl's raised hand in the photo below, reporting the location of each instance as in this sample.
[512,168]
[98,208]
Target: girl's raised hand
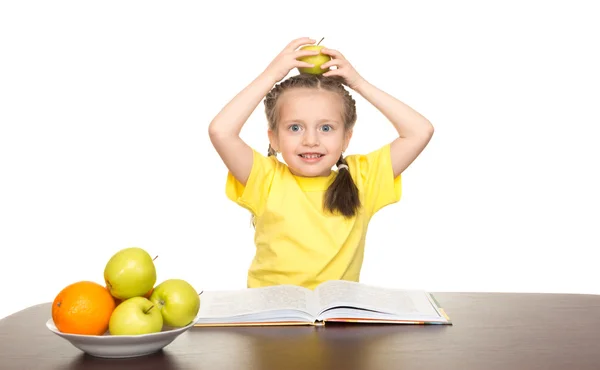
[287,59]
[343,68]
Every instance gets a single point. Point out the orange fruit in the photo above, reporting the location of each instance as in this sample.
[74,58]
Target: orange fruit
[83,307]
[147,295]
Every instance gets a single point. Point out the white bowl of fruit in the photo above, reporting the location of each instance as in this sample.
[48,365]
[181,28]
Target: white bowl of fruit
[130,316]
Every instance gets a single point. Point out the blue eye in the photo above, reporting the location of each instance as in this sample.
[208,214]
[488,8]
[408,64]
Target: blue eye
[294,127]
[326,128]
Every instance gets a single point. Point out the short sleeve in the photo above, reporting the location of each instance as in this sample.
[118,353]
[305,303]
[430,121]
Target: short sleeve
[374,176]
[253,195]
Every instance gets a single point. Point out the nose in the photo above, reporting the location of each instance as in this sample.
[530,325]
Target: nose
[310,138]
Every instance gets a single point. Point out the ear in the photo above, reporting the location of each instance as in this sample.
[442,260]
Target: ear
[273,140]
[347,137]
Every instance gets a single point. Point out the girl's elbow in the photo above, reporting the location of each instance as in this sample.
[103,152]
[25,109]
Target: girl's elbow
[215,132]
[426,133]
[428,130]
[423,132]
[212,129]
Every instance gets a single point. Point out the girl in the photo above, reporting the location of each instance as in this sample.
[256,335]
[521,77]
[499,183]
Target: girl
[310,221]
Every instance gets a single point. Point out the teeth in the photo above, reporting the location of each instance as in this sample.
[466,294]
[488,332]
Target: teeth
[310,156]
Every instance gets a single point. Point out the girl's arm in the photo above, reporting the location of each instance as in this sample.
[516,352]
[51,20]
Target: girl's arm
[414,130]
[224,130]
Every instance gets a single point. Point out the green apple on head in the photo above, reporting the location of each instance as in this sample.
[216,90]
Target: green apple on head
[315,60]
[135,316]
[177,301]
[130,273]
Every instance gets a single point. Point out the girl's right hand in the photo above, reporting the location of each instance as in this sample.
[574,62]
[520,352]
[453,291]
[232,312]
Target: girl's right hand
[288,59]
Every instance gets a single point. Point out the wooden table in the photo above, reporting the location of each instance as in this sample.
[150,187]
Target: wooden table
[491,331]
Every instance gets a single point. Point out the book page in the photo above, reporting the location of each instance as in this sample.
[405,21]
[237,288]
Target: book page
[393,301]
[223,304]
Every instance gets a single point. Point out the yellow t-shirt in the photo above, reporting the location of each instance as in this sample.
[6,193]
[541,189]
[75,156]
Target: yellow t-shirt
[297,242]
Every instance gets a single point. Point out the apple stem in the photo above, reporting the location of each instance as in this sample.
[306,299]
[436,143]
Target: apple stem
[155,258]
[320,41]
[148,310]
[201,292]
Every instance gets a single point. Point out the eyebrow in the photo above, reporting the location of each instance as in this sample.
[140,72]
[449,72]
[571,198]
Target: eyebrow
[319,121]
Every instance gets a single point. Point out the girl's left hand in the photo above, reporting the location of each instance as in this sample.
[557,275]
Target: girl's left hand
[343,68]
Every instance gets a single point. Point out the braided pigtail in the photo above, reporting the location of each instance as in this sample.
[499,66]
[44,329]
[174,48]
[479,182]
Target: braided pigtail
[342,195]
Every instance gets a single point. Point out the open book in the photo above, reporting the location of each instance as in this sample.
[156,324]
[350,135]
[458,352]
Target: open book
[332,301]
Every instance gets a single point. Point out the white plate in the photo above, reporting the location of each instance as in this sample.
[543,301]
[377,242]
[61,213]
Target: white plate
[121,346]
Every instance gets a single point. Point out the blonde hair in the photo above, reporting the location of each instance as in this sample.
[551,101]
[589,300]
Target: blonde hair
[342,195]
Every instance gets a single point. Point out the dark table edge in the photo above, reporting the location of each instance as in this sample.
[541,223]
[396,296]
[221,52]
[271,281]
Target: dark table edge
[435,294]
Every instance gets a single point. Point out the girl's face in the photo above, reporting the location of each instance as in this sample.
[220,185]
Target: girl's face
[310,133]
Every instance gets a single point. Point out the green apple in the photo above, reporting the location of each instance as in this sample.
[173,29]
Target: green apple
[316,60]
[135,316]
[177,300]
[130,273]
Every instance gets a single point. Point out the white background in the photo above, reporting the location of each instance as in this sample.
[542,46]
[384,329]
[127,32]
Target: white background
[104,109]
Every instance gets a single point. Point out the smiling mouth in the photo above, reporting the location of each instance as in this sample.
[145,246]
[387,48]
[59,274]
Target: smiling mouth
[311,155]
